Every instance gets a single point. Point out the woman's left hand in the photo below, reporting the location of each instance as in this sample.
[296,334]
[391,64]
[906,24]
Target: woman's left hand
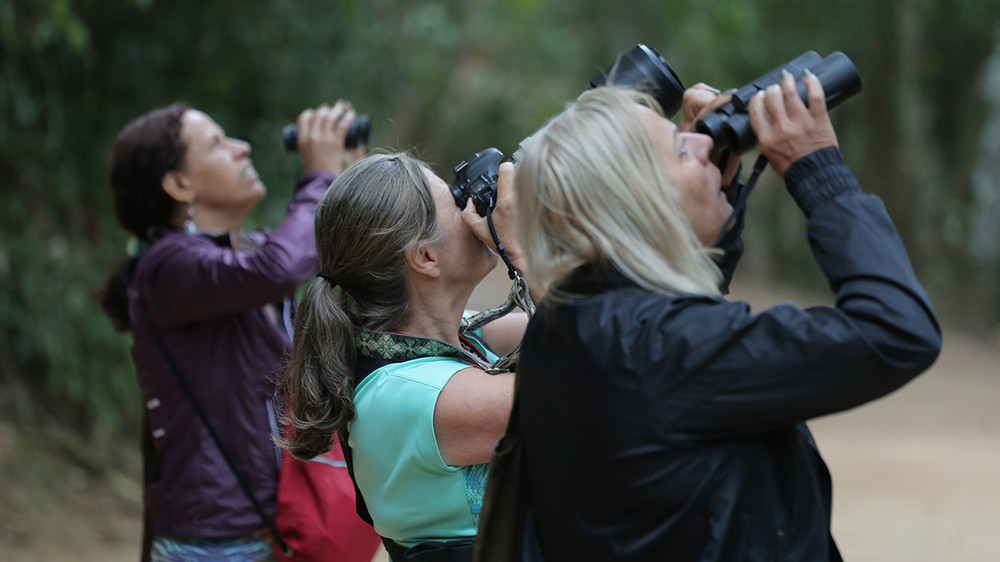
[503,218]
[321,137]
[700,100]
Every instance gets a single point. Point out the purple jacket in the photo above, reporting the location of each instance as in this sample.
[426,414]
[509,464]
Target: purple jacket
[225,315]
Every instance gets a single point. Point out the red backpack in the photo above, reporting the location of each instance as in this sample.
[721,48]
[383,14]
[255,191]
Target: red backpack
[315,513]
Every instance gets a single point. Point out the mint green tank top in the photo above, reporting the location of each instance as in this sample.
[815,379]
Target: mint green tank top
[411,493]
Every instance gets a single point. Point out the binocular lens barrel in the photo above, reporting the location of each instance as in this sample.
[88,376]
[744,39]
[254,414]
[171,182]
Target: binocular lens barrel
[839,77]
[729,126]
[643,68]
[357,135]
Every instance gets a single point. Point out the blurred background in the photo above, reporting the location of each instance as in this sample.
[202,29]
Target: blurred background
[444,79]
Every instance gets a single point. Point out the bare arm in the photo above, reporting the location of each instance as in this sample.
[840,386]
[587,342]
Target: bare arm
[471,415]
[503,334]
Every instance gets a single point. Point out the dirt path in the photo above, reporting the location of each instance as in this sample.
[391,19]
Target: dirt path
[916,475]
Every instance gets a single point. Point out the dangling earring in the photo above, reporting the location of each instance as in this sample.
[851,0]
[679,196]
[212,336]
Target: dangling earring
[189,225]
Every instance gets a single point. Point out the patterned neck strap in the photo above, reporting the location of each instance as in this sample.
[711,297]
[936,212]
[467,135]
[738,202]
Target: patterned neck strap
[400,347]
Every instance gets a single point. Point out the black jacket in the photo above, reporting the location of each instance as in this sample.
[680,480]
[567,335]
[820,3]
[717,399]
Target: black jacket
[662,428]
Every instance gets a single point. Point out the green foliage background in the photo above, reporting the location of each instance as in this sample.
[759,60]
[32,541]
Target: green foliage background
[445,78]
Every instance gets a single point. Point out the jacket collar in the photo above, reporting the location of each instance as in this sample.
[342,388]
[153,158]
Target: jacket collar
[223,239]
[592,278]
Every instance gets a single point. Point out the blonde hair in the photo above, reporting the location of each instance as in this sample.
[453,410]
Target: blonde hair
[592,189]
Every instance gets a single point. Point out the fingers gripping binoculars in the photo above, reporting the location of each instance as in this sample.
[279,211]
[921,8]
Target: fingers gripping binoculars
[357,135]
[729,126]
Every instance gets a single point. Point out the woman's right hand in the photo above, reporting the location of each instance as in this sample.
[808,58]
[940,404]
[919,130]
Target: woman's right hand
[700,100]
[503,219]
[322,131]
[786,129]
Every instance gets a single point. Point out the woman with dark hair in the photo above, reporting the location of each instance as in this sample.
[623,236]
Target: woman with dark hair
[380,355]
[219,300]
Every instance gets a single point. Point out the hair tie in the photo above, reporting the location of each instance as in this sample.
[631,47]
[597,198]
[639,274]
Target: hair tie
[328,278]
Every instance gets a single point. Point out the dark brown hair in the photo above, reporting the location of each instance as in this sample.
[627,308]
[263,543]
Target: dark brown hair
[146,149]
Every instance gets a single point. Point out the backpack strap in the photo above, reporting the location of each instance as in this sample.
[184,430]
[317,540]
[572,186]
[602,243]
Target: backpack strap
[192,397]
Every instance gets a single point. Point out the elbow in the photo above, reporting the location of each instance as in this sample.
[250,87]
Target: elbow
[891,363]
[926,340]
[928,349]
[901,329]
[913,347]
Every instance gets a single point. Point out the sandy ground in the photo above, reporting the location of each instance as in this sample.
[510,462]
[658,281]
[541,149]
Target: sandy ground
[916,475]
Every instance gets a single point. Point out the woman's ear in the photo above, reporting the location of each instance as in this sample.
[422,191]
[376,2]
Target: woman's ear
[177,187]
[422,259]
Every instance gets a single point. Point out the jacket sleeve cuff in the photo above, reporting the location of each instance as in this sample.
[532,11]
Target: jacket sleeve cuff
[321,177]
[820,177]
[312,185]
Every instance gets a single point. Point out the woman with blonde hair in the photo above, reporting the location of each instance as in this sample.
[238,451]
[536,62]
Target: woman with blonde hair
[661,421]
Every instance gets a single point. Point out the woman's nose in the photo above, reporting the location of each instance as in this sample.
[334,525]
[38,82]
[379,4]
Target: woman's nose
[240,147]
[699,145]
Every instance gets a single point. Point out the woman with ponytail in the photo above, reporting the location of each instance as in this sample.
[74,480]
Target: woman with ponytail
[380,358]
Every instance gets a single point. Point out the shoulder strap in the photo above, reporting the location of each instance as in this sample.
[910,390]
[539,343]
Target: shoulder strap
[396,551]
[364,367]
[192,397]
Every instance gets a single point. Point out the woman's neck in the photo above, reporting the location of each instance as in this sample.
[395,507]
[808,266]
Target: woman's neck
[213,224]
[436,314]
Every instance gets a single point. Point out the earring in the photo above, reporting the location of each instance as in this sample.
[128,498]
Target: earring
[189,225]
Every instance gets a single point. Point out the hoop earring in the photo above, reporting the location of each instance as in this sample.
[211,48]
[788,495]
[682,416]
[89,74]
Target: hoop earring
[189,225]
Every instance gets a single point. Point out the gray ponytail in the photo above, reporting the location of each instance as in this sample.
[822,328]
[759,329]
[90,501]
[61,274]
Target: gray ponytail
[372,213]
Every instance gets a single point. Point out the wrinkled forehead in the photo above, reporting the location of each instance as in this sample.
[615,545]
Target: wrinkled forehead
[661,129]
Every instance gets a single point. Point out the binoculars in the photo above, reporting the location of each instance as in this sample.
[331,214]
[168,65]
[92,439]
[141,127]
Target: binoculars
[729,126]
[357,134]
[644,69]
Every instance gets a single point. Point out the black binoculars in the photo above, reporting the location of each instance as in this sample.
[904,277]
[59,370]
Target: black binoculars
[729,126]
[357,134]
[644,69]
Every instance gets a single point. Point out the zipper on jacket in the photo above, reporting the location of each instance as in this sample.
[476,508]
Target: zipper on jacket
[779,544]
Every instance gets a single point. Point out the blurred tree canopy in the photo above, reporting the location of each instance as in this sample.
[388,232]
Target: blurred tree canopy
[445,78]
